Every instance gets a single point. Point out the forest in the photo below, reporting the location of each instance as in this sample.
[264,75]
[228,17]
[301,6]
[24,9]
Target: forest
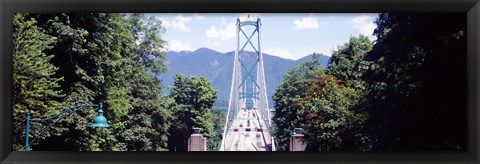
[61,60]
[404,91]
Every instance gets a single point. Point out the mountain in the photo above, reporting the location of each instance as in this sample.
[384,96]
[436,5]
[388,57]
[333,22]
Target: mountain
[323,59]
[218,67]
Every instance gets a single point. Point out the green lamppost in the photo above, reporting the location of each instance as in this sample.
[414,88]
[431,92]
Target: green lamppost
[296,131]
[98,121]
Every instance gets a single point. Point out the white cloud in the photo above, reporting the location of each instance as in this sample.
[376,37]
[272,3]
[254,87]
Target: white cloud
[179,23]
[176,45]
[219,45]
[212,43]
[224,33]
[182,18]
[223,19]
[306,23]
[365,24]
[280,53]
[198,16]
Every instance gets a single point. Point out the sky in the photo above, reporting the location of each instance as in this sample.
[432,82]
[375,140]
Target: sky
[286,35]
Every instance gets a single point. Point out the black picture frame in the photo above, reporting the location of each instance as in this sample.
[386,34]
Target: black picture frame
[470,7]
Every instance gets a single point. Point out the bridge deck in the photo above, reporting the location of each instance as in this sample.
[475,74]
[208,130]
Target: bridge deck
[266,134]
[246,135]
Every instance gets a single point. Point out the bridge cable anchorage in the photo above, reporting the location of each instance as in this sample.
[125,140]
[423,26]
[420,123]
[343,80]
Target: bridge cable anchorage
[248,113]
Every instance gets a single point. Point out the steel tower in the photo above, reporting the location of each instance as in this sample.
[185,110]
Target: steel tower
[248,91]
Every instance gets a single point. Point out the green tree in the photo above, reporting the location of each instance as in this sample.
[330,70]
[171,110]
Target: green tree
[288,96]
[347,62]
[98,55]
[417,83]
[36,88]
[149,120]
[149,45]
[191,100]
[329,118]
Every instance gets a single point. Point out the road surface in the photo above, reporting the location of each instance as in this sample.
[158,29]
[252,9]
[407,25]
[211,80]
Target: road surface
[245,134]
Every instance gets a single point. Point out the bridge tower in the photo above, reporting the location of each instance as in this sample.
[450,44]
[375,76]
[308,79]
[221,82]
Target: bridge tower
[248,91]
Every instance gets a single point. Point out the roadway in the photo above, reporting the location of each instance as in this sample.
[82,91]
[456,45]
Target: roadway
[245,134]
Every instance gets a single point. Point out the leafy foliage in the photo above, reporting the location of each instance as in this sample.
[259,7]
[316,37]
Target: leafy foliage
[347,61]
[99,59]
[36,88]
[287,97]
[329,117]
[398,93]
[193,98]
[411,95]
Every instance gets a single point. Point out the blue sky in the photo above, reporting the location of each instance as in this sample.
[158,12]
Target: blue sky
[286,35]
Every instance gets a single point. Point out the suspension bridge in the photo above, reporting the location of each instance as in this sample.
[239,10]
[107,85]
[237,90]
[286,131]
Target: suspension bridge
[248,124]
